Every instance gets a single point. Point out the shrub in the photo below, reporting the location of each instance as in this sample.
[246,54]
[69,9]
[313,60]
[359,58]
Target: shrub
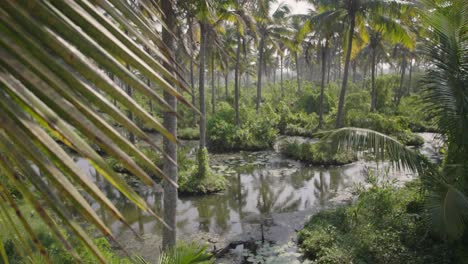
[377,228]
[316,153]
[194,179]
[395,126]
[189,133]
[295,124]
[412,108]
[257,131]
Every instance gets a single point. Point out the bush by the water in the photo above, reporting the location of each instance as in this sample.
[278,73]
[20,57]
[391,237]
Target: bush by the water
[316,153]
[395,126]
[189,133]
[385,225]
[296,123]
[195,179]
[256,132]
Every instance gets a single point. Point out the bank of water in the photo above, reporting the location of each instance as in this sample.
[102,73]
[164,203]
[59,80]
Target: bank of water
[269,197]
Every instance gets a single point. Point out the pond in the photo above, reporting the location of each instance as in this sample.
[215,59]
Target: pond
[268,196]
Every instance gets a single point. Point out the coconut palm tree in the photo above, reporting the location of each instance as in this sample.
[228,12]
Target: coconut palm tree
[391,32]
[270,33]
[446,97]
[355,14]
[53,89]
[170,122]
[244,24]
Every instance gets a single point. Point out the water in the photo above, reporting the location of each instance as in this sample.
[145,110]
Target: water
[265,191]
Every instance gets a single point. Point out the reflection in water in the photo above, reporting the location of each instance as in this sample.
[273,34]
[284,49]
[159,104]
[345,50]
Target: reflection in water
[259,184]
[264,185]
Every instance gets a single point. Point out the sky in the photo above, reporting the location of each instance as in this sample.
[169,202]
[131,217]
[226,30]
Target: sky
[300,7]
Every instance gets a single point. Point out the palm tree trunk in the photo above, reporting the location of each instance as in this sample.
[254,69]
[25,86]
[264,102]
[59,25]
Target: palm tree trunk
[410,76]
[322,86]
[402,80]
[298,73]
[274,74]
[236,80]
[329,67]
[281,75]
[218,90]
[354,70]
[170,122]
[201,85]
[345,74]
[213,110]
[374,93]
[259,75]
[192,77]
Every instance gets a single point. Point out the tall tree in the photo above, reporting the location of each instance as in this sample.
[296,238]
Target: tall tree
[269,34]
[356,13]
[170,147]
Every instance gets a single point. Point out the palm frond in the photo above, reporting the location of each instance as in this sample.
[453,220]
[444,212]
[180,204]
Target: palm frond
[381,146]
[54,56]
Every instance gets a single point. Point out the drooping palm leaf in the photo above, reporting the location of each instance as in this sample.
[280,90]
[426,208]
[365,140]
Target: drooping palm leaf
[53,59]
[381,146]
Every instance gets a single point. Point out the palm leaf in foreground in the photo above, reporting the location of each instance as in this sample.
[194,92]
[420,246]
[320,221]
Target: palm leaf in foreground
[53,59]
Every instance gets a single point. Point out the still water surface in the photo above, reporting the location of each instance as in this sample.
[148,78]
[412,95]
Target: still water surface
[263,187]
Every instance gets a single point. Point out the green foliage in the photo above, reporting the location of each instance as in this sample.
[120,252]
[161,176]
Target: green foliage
[384,86]
[413,109]
[396,126]
[55,248]
[310,101]
[200,180]
[153,155]
[317,153]
[5,183]
[358,101]
[185,253]
[189,133]
[257,131]
[295,124]
[385,225]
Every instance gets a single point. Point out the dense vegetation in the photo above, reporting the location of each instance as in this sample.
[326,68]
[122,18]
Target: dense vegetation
[385,225]
[119,83]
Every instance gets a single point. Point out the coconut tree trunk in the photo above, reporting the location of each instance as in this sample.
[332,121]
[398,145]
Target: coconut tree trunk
[201,85]
[345,74]
[354,70]
[374,93]
[298,73]
[218,90]
[410,76]
[170,122]
[329,67]
[402,80]
[281,75]
[236,79]
[274,74]
[213,108]
[259,74]
[322,85]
